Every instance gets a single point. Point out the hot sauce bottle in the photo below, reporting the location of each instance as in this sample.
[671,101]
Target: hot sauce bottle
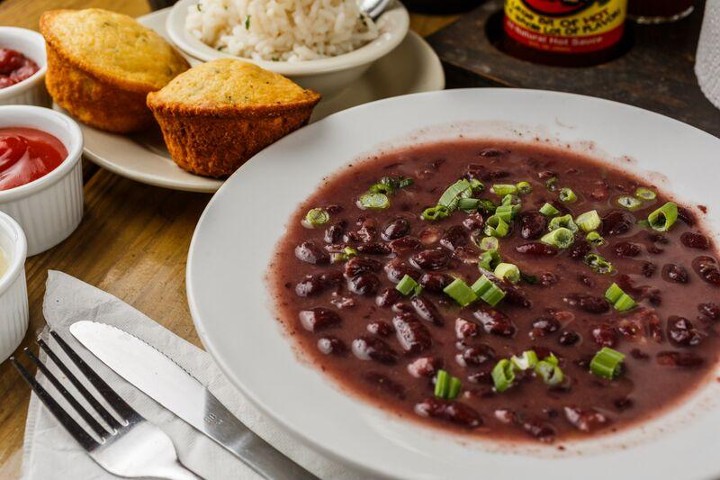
[572,33]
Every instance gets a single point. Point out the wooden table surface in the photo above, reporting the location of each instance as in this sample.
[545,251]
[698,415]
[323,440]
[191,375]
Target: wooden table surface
[132,242]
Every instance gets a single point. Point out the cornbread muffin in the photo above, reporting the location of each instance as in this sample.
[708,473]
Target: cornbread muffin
[219,114]
[102,65]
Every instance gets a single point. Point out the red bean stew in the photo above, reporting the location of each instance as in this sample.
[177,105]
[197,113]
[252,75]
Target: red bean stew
[511,290]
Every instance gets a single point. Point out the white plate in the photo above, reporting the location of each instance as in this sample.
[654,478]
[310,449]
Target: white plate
[232,309]
[412,67]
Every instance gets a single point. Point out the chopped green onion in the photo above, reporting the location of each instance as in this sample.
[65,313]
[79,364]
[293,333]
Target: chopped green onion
[566,195]
[588,221]
[487,206]
[526,361]
[549,372]
[523,188]
[561,238]
[503,375]
[489,243]
[613,293]
[493,295]
[481,285]
[460,189]
[548,210]
[406,285]
[373,201]
[598,263]
[442,384]
[508,271]
[489,260]
[595,239]
[476,185]
[630,203]
[396,183]
[551,184]
[664,217]
[511,199]
[343,256]
[551,358]
[607,363]
[645,194]
[502,189]
[433,214]
[506,212]
[383,188]
[454,389]
[565,221]
[625,303]
[468,204]
[495,226]
[316,217]
[459,291]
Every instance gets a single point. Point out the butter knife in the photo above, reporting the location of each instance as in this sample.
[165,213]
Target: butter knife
[167,383]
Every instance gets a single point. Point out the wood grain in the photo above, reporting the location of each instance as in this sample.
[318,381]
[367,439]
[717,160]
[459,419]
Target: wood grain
[132,242]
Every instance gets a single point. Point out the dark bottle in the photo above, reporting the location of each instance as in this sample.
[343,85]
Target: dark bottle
[441,7]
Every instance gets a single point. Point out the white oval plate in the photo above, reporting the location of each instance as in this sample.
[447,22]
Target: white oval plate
[412,67]
[232,308]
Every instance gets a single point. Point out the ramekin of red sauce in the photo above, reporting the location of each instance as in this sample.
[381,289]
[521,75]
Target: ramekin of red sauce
[23,65]
[41,173]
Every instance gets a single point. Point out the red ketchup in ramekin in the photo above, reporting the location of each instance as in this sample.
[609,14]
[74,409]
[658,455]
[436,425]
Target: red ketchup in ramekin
[27,154]
[15,67]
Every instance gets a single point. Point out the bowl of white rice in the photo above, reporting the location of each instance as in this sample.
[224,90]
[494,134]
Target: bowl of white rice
[323,45]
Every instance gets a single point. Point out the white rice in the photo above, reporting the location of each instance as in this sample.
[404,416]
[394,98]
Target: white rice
[281,30]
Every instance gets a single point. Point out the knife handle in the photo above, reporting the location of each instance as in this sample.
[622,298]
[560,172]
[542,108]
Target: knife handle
[267,461]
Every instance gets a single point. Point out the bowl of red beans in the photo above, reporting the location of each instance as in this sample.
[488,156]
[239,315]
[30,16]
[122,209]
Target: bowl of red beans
[22,68]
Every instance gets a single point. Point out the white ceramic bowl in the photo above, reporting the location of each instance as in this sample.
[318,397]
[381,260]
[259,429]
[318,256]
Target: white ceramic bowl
[327,76]
[13,290]
[30,91]
[50,208]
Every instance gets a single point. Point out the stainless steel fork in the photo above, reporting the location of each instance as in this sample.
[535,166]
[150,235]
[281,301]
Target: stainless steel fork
[129,446]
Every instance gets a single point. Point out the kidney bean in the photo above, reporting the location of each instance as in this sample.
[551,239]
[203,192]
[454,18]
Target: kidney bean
[357,265]
[367,347]
[364,284]
[474,222]
[638,354]
[331,345]
[309,286]
[405,244]
[368,229]
[672,272]
[600,191]
[454,237]
[378,327]
[451,411]
[548,279]
[710,310]
[385,384]
[648,269]
[544,326]
[682,332]
[515,296]
[396,269]
[425,367]
[587,303]
[579,249]
[617,222]
[334,233]
[430,259]
[707,269]
[627,249]
[374,248]
[629,328]
[649,319]
[586,419]
[568,338]
[585,280]
[435,282]
[536,248]
[475,356]
[430,235]
[396,228]
[506,416]
[403,307]
[427,310]
[387,297]
[532,225]
[308,252]
[604,335]
[319,318]
[483,377]
[495,322]
[343,303]
[492,152]
[413,336]
[538,429]
[465,329]
[679,359]
[686,216]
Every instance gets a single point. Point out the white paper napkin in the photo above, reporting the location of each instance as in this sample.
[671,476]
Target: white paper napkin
[707,60]
[50,453]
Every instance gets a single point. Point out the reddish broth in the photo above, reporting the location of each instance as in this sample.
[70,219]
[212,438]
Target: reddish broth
[670,339]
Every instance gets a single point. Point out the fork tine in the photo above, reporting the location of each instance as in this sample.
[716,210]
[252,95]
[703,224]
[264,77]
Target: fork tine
[97,428]
[117,403]
[102,411]
[72,427]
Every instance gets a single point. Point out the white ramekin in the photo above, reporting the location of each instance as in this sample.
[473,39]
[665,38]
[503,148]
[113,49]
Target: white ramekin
[13,289]
[327,76]
[50,208]
[30,91]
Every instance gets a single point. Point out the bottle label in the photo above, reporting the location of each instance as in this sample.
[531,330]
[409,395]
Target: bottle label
[565,26]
